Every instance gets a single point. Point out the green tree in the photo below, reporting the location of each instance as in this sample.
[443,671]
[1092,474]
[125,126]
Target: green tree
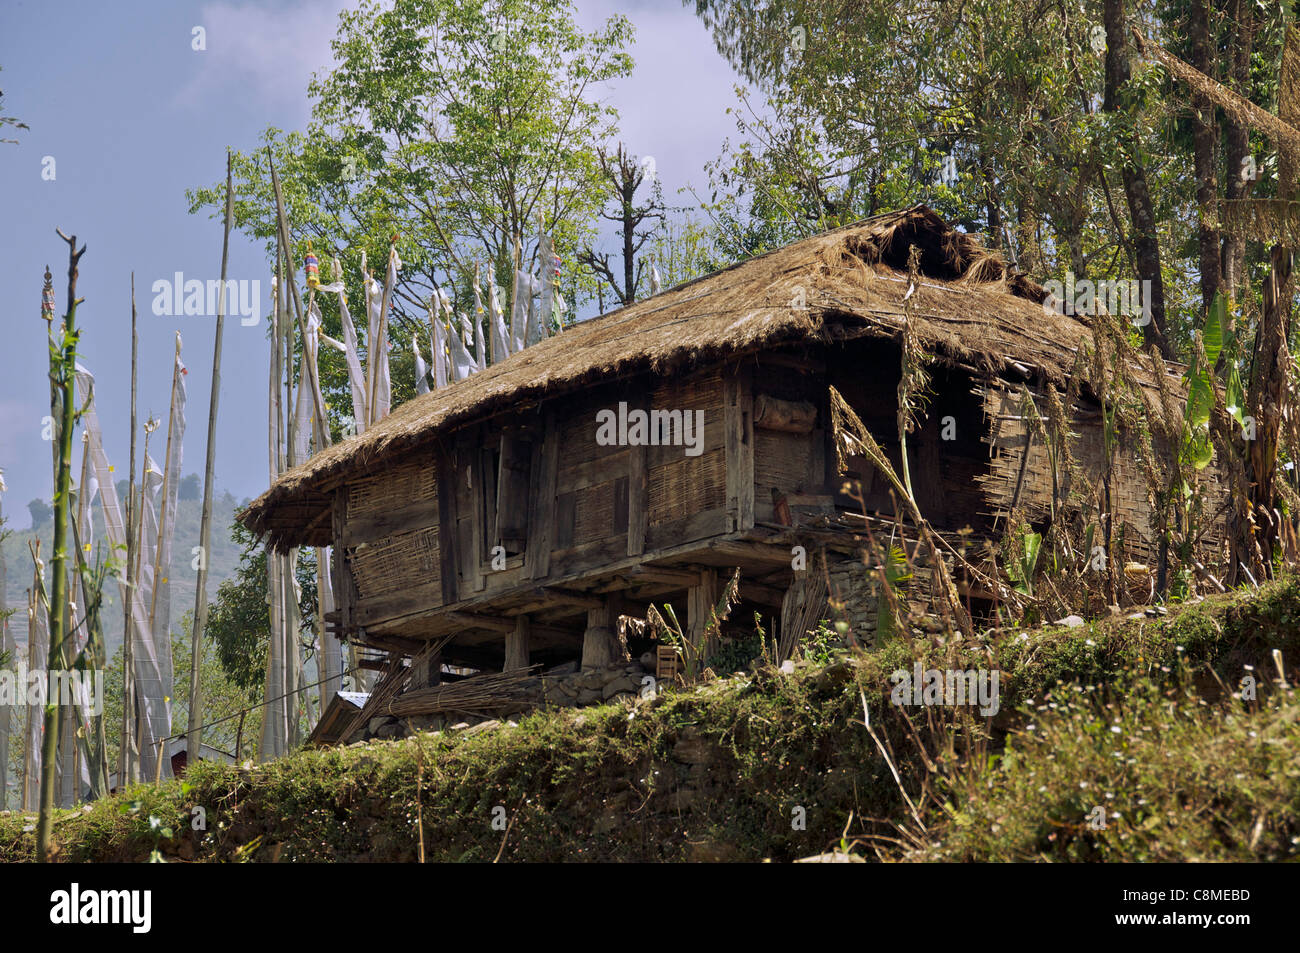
[455,125]
[239,621]
[223,698]
[998,113]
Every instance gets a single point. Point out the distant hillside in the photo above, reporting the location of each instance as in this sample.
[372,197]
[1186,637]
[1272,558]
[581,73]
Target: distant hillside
[221,565]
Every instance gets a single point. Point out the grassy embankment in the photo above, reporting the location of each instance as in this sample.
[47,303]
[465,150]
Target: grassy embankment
[1134,716]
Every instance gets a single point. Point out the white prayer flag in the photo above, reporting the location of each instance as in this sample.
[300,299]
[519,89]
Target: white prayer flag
[38,648]
[356,376]
[500,335]
[421,368]
[519,307]
[147,674]
[161,611]
[546,250]
[436,336]
[462,364]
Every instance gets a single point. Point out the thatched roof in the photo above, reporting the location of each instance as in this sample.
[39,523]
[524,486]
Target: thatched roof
[970,308]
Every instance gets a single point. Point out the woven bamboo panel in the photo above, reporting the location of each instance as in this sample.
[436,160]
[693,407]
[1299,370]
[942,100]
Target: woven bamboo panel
[780,460]
[577,435]
[408,483]
[1129,497]
[396,562]
[593,514]
[696,392]
[687,486]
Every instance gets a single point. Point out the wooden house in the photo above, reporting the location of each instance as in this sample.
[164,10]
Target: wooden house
[643,455]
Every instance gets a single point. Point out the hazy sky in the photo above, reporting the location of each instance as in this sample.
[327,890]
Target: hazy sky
[131,116]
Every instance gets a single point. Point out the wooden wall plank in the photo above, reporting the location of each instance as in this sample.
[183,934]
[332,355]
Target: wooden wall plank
[513,492]
[738,411]
[638,486]
[447,526]
[344,586]
[542,515]
[477,483]
[371,526]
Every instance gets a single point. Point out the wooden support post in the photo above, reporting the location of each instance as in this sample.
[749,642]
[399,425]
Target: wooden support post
[345,587]
[700,600]
[738,427]
[541,521]
[448,536]
[426,672]
[479,516]
[638,494]
[517,644]
[600,643]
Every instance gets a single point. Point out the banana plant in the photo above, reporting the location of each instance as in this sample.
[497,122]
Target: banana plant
[1022,566]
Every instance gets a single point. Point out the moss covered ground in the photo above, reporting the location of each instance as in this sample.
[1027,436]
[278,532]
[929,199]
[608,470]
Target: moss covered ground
[1140,725]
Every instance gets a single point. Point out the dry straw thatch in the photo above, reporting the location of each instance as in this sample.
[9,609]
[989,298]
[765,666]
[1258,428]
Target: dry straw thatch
[969,309]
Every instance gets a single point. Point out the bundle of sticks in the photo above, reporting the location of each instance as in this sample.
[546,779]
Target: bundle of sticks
[396,676]
[496,693]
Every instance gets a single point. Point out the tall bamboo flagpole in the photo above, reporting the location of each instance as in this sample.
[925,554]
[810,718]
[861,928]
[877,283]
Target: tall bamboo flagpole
[128,763]
[193,736]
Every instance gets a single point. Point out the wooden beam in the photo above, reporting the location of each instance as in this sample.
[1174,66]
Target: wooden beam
[700,600]
[345,587]
[582,600]
[763,595]
[448,536]
[517,644]
[372,526]
[738,436]
[787,416]
[662,574]
[541,528]
[427,672]
[477,620]
[638,496]
[478,516]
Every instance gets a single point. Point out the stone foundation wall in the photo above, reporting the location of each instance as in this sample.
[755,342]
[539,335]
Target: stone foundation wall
[562,687]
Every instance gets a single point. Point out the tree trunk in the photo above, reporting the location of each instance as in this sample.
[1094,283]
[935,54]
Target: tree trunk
[1145,245]
[1205,134]
[1240,29]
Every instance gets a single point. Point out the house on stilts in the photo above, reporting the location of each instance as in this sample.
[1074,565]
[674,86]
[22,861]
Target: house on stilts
[513,519]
